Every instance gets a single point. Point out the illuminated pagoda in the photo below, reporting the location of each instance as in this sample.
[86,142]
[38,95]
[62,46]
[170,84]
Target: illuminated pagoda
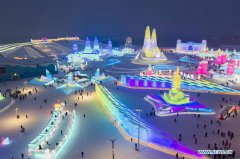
[175,95]
[175,101]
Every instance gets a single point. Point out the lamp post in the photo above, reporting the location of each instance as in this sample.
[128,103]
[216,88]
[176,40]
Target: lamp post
[112,141]
[139,110]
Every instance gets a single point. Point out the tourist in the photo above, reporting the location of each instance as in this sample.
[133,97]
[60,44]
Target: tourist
[82,153]
[195,140]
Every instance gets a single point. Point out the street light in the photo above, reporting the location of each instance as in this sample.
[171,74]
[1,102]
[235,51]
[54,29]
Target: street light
[112,141]
[139,110]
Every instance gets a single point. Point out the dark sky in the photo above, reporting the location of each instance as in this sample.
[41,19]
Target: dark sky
[21,20]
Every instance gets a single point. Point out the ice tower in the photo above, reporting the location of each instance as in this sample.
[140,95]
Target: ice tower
[88,47]
[150,53]
[109,46]
[96,44]
[48,75]
[150,44]
[175,95]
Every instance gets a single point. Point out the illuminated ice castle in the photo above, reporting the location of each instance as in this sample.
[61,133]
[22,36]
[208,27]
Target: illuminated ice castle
[191,47]
[150,53]
[150,47]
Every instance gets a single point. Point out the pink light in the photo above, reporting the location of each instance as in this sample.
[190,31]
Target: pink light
[221,59]
[5,141]
[202,68]
[230,69]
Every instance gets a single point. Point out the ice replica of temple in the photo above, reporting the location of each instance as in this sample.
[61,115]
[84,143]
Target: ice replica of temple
[175,95]
[150,53]
[175,101]
[191,47]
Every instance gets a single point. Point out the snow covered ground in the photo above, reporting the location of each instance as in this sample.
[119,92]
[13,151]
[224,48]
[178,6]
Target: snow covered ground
[92,135]
[94,130]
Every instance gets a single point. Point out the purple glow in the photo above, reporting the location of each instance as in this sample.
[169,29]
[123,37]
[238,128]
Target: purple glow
[140,83]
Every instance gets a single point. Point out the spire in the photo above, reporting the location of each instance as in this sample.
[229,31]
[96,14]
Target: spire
[154,36]
[177,70]
[147,33]
[177,79]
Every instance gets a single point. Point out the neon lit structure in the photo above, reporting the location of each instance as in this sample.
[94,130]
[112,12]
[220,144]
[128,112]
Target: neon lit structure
[88,48]
[202,68]
[96,45]
[56,39]
[101,77]
[164,83]
[75,48]
[150,70]
[5,141]
[221,59]
[127,124]
[191,47]
[175,95]
[230,69]
[109,46]
[1,97]
[69,88]
[43,80]
[48,133]
[150,52]
[188,59]
[165,108]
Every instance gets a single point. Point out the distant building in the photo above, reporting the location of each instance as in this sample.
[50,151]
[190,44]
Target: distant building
[44,40]
[75,48]
[191,47]
[14,69]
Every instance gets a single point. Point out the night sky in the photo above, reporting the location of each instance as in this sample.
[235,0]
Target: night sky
[21,20]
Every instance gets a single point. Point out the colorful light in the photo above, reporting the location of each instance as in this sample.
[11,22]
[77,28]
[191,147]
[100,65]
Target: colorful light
[127,124]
